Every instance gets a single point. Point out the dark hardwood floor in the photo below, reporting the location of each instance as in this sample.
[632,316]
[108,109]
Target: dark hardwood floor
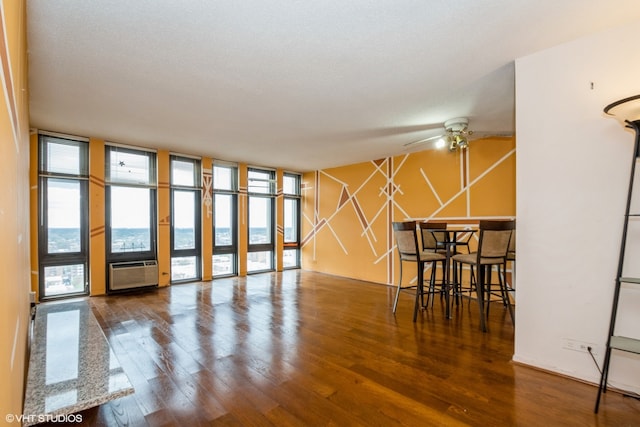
[305,349]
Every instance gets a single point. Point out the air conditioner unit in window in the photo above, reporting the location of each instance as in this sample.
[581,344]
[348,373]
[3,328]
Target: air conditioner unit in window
[130,275]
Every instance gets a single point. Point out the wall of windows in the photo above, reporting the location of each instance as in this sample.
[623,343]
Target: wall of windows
[63,216]
[185,219]
[261,201]
[225,220]
[104,207]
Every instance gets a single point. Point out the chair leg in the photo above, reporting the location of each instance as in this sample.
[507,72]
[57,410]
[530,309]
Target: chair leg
[431,294]
[480,298]
[472,279]
[502,275]
[488,268]
[457,281]
[442,277]
[442,285]
[458,269]
[511,287]
[395,303]
[422,295]
[468,292]
[454,281]
[419,290]
[505,295]
[460,288]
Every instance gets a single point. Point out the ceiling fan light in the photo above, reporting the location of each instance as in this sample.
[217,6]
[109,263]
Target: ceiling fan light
[440,143]
[453,143]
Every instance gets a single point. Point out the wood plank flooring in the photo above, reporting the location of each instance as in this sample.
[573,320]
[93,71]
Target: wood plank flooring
[306,349]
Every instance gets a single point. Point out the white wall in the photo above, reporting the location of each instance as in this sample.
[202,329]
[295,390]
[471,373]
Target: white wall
[573,166]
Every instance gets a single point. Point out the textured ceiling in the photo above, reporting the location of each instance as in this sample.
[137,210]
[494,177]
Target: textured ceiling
[302,85]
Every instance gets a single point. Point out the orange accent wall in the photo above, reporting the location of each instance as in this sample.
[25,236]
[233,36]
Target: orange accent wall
[97,242]
[243,233]
[15,196]
[164,218]
[347,211]
[207,218]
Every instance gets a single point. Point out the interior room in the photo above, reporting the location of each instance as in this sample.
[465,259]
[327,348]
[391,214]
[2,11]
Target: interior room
[208,191]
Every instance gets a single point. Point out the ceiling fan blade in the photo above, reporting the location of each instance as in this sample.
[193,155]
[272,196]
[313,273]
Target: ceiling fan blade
[481,135]
[423,140]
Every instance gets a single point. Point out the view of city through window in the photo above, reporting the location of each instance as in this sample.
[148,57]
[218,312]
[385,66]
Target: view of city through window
[130,219]
[131,229]
[136,239]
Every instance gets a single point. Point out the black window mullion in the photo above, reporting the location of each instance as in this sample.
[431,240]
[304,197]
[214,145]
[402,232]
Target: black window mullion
[226,186]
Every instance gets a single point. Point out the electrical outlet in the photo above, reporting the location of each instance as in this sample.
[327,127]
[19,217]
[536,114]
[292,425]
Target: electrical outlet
[580,346]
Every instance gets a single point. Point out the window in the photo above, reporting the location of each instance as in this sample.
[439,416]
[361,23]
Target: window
[261,218]
[63,216]
[131,204]
[225,229]
[291,190]
[185,221]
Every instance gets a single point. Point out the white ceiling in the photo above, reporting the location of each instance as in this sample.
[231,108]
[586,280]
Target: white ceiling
[302,85]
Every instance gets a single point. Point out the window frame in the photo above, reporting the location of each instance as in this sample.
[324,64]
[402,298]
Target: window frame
[232,192]
[196,189]
[151,185]
[45,176]
[270,194]
[297,197]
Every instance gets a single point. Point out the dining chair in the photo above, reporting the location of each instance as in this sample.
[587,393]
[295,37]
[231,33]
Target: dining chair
[433,236]
[406,237]
[465,240]
[493,245]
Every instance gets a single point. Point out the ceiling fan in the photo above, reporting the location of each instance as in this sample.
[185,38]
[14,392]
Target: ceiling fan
[456,135]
